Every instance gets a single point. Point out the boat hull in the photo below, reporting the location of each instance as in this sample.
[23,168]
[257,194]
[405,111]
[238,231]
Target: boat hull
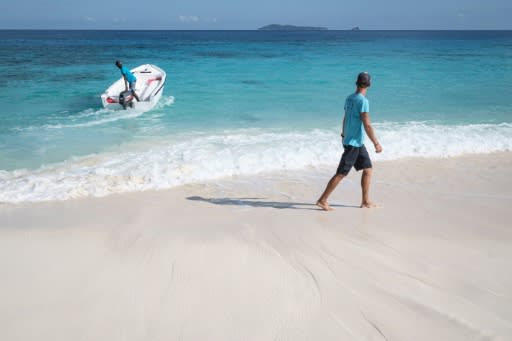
[149,87]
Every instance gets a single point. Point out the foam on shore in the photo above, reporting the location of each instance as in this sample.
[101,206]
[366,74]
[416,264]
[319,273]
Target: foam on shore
[202,157]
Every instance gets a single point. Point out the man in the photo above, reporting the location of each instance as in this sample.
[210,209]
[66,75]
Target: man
[355,154]
[129,79]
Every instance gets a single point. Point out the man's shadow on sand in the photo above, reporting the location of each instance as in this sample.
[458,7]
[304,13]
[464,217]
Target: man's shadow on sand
[259,202]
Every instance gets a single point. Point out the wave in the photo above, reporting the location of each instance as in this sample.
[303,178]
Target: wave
[422,139]
[96,117]
[200,157]
[165,101]
[102,116]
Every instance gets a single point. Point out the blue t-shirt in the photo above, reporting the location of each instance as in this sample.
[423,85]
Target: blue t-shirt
[355,104]
[129,76]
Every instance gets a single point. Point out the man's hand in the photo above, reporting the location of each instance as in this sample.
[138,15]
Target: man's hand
[378,148]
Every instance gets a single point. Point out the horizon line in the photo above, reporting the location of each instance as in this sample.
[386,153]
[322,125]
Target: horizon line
[256,29]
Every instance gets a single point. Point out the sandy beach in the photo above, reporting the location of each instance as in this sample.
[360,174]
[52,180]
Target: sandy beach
[253,258]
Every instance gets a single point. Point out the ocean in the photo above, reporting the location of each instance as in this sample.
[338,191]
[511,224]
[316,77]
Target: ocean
[238,103]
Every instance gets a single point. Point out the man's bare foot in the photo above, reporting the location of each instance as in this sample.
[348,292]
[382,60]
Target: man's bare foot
[324,206]
[369,205]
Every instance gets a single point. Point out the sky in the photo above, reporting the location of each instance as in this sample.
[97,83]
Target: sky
[251,14]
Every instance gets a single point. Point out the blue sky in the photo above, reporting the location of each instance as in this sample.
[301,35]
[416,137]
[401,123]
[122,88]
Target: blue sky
[245,14]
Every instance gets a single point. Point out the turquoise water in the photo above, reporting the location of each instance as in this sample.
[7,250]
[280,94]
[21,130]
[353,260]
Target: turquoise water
[237,102]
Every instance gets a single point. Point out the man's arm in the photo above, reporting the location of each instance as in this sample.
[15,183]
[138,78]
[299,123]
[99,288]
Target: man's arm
[125,83]
[365,117]
[343,126]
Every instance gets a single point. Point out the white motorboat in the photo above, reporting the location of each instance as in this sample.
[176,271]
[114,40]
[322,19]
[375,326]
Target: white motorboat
[149,87]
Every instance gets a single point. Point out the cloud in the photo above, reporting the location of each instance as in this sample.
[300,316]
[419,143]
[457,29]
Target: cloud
[461,15]
[188,18]
[119,20]
[196,19]
[89,19]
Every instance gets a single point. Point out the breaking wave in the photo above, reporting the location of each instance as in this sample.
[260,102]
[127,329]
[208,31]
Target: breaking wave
[200,157]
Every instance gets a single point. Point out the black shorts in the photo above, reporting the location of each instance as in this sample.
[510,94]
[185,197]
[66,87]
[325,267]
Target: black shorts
[356,157]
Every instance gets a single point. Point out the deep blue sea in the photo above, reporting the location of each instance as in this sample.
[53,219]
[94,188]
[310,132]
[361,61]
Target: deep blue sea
[238,103]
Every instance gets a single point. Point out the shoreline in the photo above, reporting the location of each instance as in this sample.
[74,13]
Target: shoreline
[308,172]
[253,257]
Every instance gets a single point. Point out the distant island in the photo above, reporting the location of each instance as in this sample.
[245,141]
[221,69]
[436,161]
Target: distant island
[276,27]
[356,29]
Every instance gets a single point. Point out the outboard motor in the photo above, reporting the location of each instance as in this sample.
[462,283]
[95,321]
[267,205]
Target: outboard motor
[126,99]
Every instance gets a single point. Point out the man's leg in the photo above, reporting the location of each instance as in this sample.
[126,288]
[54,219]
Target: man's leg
[331,185]
[366,178]
[348,159]
[132,88]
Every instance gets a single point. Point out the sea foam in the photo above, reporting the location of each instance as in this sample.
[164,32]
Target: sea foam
[90,117]
[202,157]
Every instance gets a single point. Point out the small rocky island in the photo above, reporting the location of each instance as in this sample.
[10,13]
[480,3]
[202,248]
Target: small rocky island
[276,27]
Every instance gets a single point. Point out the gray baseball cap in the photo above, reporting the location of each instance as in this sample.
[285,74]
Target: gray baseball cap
[363,80]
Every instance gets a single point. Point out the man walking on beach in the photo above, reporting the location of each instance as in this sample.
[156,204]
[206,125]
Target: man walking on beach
[355,154]
[129,78]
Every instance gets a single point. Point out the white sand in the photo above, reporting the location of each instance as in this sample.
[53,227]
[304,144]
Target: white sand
[253,259]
